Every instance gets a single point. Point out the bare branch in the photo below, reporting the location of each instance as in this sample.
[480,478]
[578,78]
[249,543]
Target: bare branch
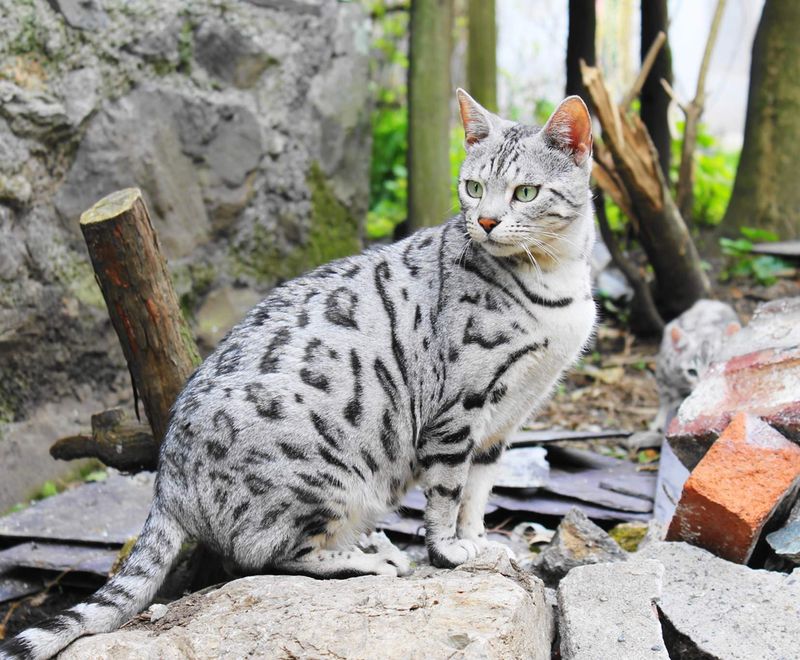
[693,112]
[647,64]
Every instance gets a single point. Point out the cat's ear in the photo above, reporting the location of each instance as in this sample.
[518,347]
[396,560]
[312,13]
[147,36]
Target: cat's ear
[570,129]
[476,119]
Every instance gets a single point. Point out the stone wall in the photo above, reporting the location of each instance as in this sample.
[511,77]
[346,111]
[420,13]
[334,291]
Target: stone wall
[246,124]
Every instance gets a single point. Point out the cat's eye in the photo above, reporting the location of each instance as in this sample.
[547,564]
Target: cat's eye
[474,189]
[526,193]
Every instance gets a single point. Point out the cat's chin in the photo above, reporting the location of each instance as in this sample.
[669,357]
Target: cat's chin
[500,249]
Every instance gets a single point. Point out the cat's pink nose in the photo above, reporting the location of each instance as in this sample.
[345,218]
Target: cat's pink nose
[488,224]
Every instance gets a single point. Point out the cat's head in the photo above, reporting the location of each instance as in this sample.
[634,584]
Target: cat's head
[525,189]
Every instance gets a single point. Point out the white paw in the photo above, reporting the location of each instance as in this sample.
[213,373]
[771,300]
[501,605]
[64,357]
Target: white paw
[379,545]
[449,553]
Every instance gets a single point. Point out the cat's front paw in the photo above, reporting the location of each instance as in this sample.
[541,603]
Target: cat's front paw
[449,553]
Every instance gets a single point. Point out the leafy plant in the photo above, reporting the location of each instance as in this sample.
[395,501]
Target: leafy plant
[763,268]
[714,174]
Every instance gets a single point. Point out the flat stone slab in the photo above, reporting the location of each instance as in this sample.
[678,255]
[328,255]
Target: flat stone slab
[450,614]
[757,371]
[110,511]
[712,608]
[608,611]
[58,557]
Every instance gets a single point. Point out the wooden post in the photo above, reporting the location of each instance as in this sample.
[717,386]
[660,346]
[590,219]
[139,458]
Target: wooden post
[133,276]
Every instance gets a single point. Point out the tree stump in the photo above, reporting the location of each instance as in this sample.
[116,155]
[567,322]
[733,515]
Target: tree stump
[142,304]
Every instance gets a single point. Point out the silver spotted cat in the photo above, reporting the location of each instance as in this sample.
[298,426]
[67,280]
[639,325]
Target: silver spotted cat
[408,364]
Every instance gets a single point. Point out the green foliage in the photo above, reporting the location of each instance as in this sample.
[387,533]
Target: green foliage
[764,269]
[186,47]
[388,190]
[714,174]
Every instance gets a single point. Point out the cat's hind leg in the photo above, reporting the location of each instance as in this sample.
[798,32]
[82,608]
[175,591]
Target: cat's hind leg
[323,563]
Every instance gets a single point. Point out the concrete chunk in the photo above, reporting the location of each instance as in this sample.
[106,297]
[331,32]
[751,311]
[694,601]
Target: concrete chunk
[712,608]
[577,542]
[608,611]
[456,614]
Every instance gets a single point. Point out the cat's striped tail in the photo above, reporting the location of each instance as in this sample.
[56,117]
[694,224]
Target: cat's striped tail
[124,595]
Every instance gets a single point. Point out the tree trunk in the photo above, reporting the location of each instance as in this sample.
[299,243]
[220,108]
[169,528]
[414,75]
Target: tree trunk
[429,97]
[580,45]
[142,304]
[654,98]
[482,53]
[680,280]
[766,194]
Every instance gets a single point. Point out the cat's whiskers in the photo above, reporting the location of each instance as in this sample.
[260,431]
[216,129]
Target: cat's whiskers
[537,269]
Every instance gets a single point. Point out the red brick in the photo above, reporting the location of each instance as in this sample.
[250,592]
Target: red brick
[750,473]
[758,371]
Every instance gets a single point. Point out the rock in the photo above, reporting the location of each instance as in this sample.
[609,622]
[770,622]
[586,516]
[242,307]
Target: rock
[577,542]
[249,142]
[712,608]
[467,613]
[629,535]
[228,55]
[750,475]
[757,371]
[220,311]
[608,611]
[79,89]
[643,440]
[81,14]
[786,542]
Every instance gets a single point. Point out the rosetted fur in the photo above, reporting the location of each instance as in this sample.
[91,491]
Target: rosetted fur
[408,364]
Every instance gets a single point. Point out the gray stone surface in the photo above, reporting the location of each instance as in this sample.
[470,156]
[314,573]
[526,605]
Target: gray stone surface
[108,512]
[712,608]
[608,611]
[246,124]
[577,542]
[474,612]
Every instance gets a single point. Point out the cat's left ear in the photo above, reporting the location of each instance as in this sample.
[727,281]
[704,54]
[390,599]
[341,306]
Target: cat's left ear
[570,129]
[476,119]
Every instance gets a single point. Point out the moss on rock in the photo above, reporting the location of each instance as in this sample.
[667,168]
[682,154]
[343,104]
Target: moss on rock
[333,233]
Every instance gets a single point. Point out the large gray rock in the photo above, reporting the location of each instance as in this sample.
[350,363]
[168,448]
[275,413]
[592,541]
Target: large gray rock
[712,608]
[246,124]
[608,611]
[472,613]
[577,542]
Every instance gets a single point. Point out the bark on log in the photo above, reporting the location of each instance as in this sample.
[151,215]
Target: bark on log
[119,443]
[680,280]
[141,301]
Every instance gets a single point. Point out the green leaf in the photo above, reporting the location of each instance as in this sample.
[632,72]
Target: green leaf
[759,235]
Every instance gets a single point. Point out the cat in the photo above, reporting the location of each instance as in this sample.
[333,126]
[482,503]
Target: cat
[688,346]
[410,363]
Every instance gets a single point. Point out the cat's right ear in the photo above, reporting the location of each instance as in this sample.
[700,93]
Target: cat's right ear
[475,118]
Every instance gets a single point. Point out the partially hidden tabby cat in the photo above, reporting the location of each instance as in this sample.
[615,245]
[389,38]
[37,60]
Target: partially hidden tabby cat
[408,364]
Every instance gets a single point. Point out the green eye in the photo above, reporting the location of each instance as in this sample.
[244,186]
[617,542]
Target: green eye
[474,189]
[526,193]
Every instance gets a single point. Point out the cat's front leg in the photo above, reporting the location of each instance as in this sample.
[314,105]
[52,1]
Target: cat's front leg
[444,467]
[482,473]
